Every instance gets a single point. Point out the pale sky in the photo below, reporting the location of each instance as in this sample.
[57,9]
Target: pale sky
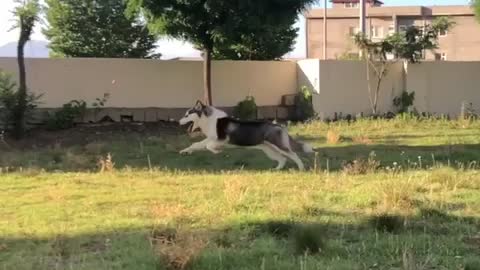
[173,48]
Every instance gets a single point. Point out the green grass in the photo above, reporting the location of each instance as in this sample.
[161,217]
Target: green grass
[230,211]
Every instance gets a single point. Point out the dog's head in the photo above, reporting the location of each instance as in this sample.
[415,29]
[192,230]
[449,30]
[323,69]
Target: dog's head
[194,114]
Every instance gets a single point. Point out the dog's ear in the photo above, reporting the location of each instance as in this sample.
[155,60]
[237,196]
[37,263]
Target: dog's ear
[199,105]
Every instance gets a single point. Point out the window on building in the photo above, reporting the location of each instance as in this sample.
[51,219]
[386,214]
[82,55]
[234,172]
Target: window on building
[376,32]
[351,5]
[402,28]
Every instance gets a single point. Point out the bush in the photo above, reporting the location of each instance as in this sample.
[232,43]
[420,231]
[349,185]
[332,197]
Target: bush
[246,109]
[65,117]
[304,105]
[9,100]
[404,101]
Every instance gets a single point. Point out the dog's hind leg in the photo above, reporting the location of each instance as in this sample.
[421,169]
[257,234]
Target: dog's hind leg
[273,154]
[195,147]
[290,154]
[293,156]
[215,146]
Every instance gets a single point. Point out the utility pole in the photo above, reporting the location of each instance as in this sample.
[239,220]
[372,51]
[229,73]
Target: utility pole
[325,30]
[362,27]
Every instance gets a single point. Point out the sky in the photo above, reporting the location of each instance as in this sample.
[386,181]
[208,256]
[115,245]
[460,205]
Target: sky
[174,48]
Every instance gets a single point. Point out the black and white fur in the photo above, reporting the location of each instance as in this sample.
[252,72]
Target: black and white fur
[220,130]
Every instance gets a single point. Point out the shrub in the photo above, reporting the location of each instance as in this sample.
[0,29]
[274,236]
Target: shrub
[65,117]
[362,166]
[246,109]
[304,105]
[9,100]
[404,101]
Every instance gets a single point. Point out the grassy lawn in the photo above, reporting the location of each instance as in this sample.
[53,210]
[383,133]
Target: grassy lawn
[399,194]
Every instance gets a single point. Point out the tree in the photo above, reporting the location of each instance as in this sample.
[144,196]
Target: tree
[476,7]
[219,27]
[268,40]
[91,28]
[262,44]
[27,13]
[409,45]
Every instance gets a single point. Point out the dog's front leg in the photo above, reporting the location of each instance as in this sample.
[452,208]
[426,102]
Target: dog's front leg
[195,147]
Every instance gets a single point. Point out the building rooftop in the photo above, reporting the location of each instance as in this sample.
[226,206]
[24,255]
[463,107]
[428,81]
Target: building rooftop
[389,11]
[356,1]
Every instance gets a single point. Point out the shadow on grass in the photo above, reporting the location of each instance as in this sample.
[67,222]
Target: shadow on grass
[276,244]
[157,145]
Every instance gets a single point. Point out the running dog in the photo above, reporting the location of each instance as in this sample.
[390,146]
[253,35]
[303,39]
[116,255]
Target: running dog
[220,129]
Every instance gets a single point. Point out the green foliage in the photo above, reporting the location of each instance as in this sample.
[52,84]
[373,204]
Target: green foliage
[27,13]
[404,101]
[90,28]
[261,42]
[476,7]
[246,109]
[408,45]
[304,104]
[9,101]
[65,117]
[235,29]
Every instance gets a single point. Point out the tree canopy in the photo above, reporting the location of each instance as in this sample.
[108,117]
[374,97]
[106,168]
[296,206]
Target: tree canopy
[235,29]
[90,28]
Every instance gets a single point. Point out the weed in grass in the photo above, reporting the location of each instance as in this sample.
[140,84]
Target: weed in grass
[235,192]
[362,166]
[179,253]
[333,136]
[106,164]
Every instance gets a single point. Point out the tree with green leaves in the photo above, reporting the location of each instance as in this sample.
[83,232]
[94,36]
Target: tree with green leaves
[92,28]
[222,28]
[476,8]
[27,14]
[409,45]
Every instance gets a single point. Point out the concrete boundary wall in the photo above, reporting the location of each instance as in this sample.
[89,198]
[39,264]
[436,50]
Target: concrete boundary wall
[153,90]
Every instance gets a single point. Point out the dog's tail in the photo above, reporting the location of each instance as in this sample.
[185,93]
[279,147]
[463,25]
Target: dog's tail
[300,146]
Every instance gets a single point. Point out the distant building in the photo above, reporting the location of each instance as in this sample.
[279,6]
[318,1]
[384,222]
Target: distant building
[461,43]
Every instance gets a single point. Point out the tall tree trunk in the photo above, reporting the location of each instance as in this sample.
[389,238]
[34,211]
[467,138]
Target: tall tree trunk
[207,76]
[21,106]
[369,87]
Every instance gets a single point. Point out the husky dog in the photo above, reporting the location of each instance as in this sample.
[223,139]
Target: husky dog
[220,130]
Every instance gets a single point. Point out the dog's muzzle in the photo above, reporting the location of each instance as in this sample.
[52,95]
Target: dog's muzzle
[183,121]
